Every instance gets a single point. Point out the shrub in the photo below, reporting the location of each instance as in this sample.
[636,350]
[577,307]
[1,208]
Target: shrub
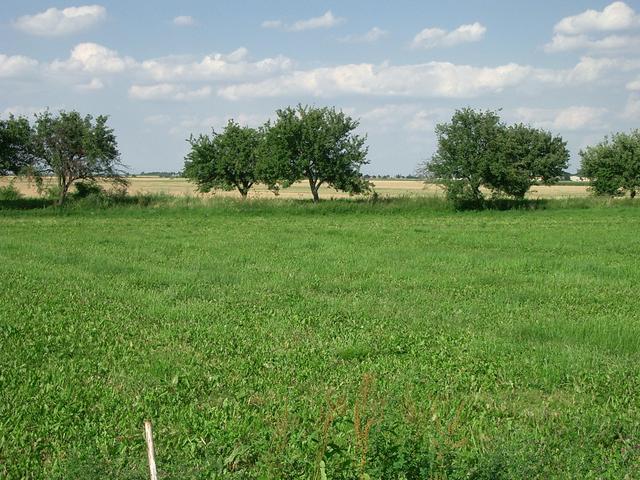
[10,192]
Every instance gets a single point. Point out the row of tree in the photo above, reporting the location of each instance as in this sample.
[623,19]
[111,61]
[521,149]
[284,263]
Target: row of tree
[303,143]
[476,153]
[68,146]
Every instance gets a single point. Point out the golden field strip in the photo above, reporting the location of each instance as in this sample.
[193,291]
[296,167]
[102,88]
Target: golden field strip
[386,188]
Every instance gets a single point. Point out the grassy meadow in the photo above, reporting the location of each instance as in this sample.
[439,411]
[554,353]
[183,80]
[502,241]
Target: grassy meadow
[345,340]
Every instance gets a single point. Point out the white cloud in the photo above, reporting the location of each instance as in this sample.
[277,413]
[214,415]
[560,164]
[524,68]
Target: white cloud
[214,67]
[371,36]
[195,125]
[437,37]
[16,65]
[272,24]
[23,111]
[570,118]
[328,20]
[433,79]
[634,85]
[55,22]
[409,117]
[587,70]
[184,21]
[564,43]
[616,16]
[632,110]
[93,58]
[93,85]
[168,91]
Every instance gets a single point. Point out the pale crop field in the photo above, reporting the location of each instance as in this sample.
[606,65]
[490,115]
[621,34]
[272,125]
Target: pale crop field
[300,190]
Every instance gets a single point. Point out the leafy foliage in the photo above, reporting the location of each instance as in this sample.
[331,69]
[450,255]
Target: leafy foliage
[526,156]
[227,160]
[467,146]
[73,147]
[477,150]
[16,147]
[613,165]
[316,144]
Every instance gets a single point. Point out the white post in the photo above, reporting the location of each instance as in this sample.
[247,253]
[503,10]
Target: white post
[148,435]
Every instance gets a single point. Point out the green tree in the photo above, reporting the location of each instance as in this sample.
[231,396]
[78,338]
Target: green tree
[226,160]
[467,146]
[16,146]
[476,149]
[613,165]
[527,156]
[317,144]
[72,147]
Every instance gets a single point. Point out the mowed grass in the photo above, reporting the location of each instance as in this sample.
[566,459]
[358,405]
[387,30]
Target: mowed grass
[344,340]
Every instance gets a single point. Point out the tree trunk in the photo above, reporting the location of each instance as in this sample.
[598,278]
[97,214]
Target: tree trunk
[314,190]
[64,189]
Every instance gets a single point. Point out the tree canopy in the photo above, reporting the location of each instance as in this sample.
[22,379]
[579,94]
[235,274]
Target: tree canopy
[73,147]
[16,146]
[477,150]
[316,144]
[224,160]
[613,165]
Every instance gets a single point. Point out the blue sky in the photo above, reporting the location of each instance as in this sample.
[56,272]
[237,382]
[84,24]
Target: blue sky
[165,69]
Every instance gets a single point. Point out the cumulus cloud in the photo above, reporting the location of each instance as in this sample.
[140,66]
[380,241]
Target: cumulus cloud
[214,67]
[587,70]
[371,36]
[437,37]
[54,22]
[426,80]
[634,85]
[433,79]
[571,118]
[616,16]
[93,58]
[565,43]
[168,91]
[16,65]
[328,20]
[577,32]
[184,21]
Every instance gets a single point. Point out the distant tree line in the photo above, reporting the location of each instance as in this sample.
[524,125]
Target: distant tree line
[477,155]
[161,174]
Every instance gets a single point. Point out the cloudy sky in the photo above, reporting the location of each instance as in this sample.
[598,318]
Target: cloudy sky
[165,69]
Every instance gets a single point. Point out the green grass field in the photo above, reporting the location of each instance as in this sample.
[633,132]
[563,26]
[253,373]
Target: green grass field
[346,340]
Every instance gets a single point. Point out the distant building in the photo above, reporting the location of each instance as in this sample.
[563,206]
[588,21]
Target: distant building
[578,178]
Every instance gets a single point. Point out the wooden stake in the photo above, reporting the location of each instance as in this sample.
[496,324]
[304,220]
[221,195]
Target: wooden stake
[148,436]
